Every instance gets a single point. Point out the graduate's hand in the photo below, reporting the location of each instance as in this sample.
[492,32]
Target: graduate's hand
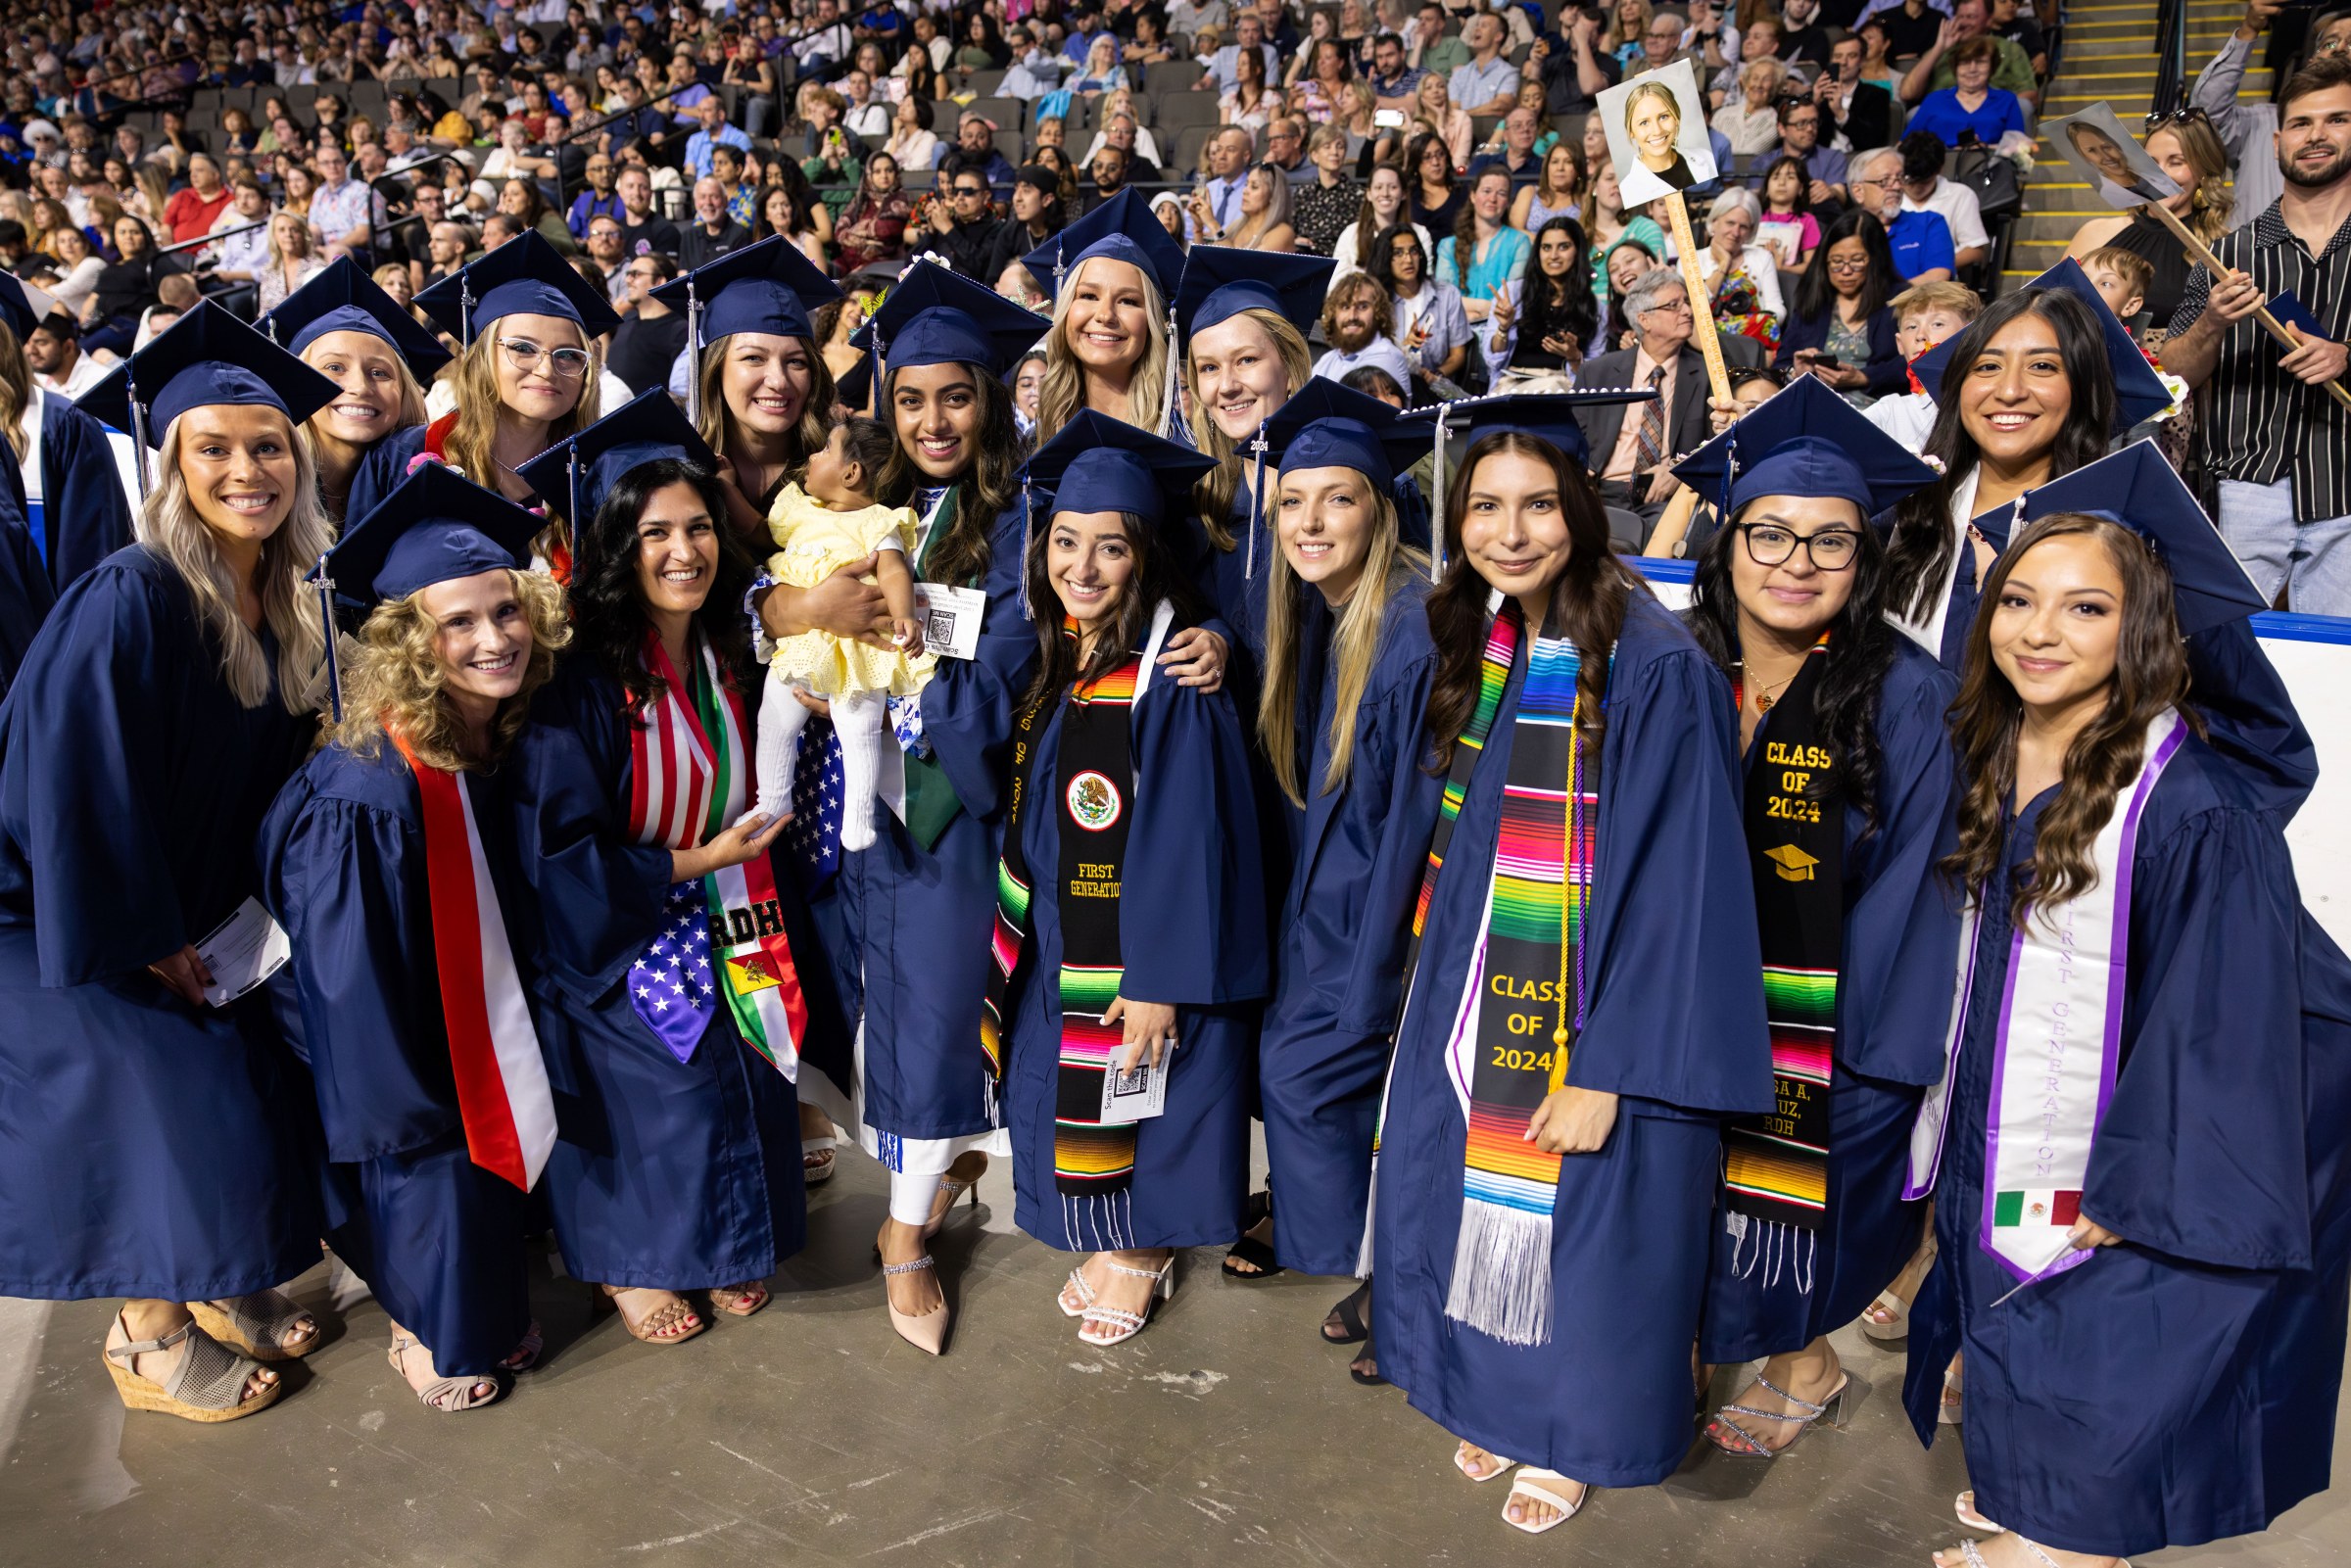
[1150,1027]
[1195,656]
[1572,1121]
[183,975]
[749,837]
[2087,1233]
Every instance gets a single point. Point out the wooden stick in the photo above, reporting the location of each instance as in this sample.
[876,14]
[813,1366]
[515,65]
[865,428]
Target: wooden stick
[2201,253]
[1701,304]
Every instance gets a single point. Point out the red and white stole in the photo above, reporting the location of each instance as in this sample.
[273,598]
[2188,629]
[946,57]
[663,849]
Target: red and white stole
[502,1094]
[692,760]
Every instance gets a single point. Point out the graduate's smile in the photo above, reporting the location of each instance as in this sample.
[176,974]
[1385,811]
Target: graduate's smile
[2056,622]
[935,409]
[483,637]
[239,464]
[766,380]
[1327,521]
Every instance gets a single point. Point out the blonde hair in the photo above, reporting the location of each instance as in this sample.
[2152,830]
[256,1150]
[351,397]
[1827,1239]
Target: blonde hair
[168,525]
[394,678]
[1215,489]
[16,388]
[411,396]
[471,437]
[1064,389]
[1355,645]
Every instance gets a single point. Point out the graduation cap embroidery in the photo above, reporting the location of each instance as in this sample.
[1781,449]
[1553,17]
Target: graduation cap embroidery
[1790,863]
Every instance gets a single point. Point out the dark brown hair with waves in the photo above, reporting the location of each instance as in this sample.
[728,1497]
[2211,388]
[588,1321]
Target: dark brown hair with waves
[1588,602]
[2150,675]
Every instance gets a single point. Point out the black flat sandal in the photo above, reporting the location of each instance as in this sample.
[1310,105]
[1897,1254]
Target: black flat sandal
[1371,1379]
[1350,1313]
[1249,1250]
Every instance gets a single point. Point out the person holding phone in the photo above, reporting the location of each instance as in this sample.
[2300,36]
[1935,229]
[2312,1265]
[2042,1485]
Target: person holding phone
[1840,326]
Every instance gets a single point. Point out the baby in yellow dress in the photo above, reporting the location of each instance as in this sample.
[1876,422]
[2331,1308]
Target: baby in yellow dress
[834,522]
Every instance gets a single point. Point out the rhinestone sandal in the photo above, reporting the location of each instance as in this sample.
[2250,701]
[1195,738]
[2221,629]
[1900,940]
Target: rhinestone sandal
[445,1393]
[927,1331]
[951,1189]
[1737,1441]
[258,1325]
[1127,1325]
[207,1386]
[1973,1556]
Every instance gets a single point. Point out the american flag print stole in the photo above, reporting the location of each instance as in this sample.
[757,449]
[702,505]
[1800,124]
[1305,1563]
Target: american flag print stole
[692,779]
[1093,1161]
[504,1100]
[1776,1167]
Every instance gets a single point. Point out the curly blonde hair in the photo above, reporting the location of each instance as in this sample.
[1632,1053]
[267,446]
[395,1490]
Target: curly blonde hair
[168,525]
[1064,391]
[393,678]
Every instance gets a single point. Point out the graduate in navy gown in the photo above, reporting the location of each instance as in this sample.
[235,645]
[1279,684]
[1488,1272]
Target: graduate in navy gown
[1130,927]
[1587,999]
[1347,666]
[346,328]
[154,1145]
[2140,1205]
[390,862]
[1849,805]
[669,995]
[63,506]
[516,310]
[2032,390]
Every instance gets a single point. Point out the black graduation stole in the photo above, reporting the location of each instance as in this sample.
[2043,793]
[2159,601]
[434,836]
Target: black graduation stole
[1095,796]
[1776,1167]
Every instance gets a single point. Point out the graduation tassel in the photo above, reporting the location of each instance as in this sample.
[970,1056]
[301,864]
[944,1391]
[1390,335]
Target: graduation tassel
[326,615]
[1028,504]
[1436,531]
[1166,396]
[693,348]
[571,506]
[873,391]
[138,429]
[465,308]
[1257,503]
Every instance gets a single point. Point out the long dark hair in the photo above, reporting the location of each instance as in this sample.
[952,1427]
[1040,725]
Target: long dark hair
[2150,674]
[1804,184]
[1815,298]
[1464,226]
[1415,156]
[1157,575]
[1562,303]
[1862,646]
[608,608]
[1383,257]
[990,485]
[1924,541]
[1588,603]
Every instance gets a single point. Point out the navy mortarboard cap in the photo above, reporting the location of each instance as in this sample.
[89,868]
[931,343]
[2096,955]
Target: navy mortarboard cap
[770,287]
[575,476]
[525,276]
[2136,488]
[2139,392]
[1803,441]
[1327,425]
[1101,464]
[935,315]
[21,306]
[344,299]
[1123,228]
[1547,416]
[436,527]
[206,358]
[1220,281]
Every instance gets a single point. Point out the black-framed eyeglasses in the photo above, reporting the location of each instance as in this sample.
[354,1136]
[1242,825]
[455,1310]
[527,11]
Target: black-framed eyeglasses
[2177,117]
[1832,550]
[970,190]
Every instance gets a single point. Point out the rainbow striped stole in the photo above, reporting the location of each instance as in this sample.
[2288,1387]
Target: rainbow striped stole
[1525,1002]
[1494,673]
[1775,1167]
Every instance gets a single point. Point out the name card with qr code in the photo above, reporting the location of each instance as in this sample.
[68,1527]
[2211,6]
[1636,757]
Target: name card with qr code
[951,618]
[1139,1095]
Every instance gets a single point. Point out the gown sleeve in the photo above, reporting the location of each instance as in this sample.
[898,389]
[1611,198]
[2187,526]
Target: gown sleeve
[83,507]
[26,595]
[2250,718]
[969,705]
[1387,836]
[1193,914]
[347,881]
[380,472]
[1676,970]
[2201,1152]
[1902,926]
[600,896]
[92,712]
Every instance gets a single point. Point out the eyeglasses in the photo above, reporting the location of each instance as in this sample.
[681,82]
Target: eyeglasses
[1832,550]
[1679,307]
[970,190]
[2180,116]
[1847,263]
[525,356]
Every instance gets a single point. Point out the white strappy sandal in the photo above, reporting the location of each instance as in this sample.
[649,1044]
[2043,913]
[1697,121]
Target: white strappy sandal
[1502,1466]
[1973,1556]
[1127,1325]
[1521,1487]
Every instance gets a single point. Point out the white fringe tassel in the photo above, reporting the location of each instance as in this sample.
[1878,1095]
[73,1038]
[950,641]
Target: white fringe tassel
[1502,1273]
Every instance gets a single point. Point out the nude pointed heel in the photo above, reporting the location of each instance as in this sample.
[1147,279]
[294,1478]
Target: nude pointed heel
[927,1332]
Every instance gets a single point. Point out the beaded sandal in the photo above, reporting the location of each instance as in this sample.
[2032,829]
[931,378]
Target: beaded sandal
[1733,1439]
[927,1331]
[1127,1325]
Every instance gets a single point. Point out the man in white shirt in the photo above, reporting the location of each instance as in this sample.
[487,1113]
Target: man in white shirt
[1925,190]
[1358,320]
[54,352]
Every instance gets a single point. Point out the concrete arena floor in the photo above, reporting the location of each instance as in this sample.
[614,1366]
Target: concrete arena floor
[812,1435]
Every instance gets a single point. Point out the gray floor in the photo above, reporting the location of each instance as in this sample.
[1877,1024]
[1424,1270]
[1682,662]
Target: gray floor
[811,1435]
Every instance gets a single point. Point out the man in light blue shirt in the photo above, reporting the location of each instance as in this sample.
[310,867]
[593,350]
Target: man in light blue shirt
[714,134]
[1216,205]
[1224,68]
[1488,84]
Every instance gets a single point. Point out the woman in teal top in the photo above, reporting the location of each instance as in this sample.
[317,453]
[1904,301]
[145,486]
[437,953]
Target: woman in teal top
[1484,254]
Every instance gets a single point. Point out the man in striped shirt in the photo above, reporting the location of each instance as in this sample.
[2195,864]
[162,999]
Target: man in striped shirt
[2278,445]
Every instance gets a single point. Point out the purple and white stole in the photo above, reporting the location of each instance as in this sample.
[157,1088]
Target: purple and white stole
[2056,1049]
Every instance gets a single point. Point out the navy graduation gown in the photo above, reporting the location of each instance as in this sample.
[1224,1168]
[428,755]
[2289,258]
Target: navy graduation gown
[1192,934]
[85,516]
[1345,927]
[921,917]
[1674,1024]
[26,593]
[147,1148]
[2138,1400]
[436,1237]
[666,1175]
[1894,1011]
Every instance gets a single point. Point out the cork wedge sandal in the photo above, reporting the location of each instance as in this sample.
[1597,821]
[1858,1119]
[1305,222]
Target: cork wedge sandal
[207,1386]
[260,1324]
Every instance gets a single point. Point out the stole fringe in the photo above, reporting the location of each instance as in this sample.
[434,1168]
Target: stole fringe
[1779,1249]
[1102,1222]
[1362,1251]
[1502,1273]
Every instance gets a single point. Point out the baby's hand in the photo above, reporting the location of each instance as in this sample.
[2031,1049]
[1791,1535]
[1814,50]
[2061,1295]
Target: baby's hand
[906,637]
